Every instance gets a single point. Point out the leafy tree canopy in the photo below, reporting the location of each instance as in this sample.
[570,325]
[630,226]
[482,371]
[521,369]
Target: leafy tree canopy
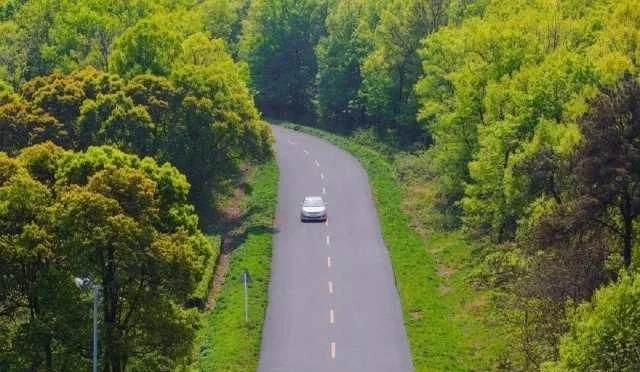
[604,333]
[123,221]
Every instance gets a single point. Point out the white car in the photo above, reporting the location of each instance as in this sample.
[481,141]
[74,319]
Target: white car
[314,208]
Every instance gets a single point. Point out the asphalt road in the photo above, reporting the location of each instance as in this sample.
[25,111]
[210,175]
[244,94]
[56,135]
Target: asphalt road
[333,304]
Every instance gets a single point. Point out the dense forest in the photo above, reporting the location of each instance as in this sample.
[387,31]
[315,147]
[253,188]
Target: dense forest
[121,123]
[118,134]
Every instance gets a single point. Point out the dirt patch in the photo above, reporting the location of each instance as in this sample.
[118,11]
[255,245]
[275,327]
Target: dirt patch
[445,272]
[444,289]
[232,229]
[478,306]
[416,314]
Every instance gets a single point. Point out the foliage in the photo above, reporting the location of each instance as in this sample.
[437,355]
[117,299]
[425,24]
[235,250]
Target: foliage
[62,34]
[122,221]
[203,112]
[223,19]
[218,121]
[22,125]
[391,69]
[340,54]
[277,41]
[149,47]
[501,101]
[582,233]
[603,334]
[607,164]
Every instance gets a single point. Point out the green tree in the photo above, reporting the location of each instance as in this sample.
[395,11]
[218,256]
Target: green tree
[488,83]
[114,119]
[340,54]
[451,106]
[392,69]
[529,108]
[81,35]
[119,219]
[278,41]
[13,56]
[219,124]
[34,19]
[604,333]
[21,124]
[44,36]
[223,19]
[114,226]
[147,47]
[33,304]
[62,96]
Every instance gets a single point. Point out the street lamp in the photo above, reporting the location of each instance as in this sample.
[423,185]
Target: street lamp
[84,283]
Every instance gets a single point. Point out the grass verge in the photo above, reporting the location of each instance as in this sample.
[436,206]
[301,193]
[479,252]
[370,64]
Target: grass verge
[227,342]
[446,320]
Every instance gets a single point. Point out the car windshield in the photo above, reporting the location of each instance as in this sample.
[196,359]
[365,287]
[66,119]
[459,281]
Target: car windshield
[313,202]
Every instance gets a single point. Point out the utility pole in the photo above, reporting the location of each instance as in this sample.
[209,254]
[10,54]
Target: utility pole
[96,297]
[84,283]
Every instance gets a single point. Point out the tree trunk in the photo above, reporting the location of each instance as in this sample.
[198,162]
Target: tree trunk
[627,233]
[112,340]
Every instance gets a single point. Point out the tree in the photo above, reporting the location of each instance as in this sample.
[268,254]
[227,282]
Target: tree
[223,20]
[574,233]
[340,54]
[608,162]
[33,299]
[145,265]
[202,118]
[62,96]
[34,19]
[81,35]
[277,42]
[392,69]
[219,124]
[114,119]
[521,117]
[490,82]
[604,333]
[21,124]
[147,47]
[13,57]
[44,36]
[116,218]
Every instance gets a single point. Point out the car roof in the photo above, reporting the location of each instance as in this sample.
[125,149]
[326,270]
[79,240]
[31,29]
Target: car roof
[312,198]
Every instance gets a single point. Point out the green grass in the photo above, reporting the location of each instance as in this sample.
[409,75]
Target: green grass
[448,323]
[228,343]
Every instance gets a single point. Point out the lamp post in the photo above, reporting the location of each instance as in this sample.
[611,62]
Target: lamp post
[84,283]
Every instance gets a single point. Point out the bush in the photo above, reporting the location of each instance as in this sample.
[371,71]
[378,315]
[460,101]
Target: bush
[604,335]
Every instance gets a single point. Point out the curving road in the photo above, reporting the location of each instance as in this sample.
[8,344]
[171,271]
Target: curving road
[333,304]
